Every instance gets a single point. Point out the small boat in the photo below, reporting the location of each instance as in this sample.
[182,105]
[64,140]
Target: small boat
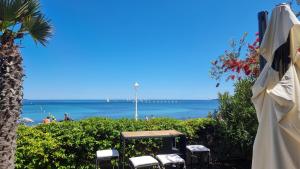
[107,100]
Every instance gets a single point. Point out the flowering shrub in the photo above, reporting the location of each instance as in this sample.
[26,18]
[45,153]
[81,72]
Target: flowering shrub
[236,113]
[233,65]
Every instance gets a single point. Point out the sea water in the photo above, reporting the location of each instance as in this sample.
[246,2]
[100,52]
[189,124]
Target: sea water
[80,109]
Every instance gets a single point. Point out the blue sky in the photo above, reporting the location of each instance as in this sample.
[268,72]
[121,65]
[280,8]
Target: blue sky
[101,47]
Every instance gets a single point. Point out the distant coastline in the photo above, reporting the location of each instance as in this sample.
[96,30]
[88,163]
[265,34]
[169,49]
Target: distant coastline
[26,100]
[118,108]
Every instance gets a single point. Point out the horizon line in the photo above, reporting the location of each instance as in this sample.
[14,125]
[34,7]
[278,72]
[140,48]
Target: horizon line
[121,99]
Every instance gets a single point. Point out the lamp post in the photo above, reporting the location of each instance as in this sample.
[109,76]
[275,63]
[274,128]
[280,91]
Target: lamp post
[136,86]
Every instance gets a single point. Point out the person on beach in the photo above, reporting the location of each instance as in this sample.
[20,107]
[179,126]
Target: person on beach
[52,118]
[67,118]
[46,120]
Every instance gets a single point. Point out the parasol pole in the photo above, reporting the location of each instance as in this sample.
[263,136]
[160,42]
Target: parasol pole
[262,26]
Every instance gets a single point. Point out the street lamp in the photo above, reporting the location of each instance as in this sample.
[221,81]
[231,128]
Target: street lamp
[136,86]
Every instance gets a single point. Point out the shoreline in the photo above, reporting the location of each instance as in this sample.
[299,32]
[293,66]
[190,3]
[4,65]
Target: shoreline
[38,110]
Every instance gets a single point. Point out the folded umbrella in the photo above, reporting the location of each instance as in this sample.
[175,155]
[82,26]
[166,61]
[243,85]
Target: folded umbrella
[276,94]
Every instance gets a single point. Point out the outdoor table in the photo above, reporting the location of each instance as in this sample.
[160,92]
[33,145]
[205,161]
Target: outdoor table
[163,134]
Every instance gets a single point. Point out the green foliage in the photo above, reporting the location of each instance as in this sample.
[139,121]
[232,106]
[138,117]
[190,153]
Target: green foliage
[74,144]
[40,148]
[238,118]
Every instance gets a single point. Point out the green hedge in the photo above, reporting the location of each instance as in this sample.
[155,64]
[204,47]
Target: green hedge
[73,144]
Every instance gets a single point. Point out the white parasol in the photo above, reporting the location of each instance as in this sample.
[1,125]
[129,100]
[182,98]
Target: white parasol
[26,120]
[276,94]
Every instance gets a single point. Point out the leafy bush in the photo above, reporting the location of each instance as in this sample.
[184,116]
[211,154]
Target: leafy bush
[238,119]
[74,144]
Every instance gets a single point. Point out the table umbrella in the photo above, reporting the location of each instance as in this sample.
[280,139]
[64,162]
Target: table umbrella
[26,120]
[276,94]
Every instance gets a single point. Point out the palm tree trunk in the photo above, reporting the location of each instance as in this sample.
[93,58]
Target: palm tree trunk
[11,95]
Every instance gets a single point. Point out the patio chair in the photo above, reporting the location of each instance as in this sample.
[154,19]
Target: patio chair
[143,162]
[106,156]
[196,151]
[171,160]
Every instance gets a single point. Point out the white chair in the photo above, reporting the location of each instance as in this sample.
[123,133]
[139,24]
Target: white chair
[106,155]
[171,160]
[143,161]
[195,150]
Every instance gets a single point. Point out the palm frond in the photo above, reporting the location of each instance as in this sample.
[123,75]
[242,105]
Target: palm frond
[21,17]
[3,8]
[15,10]
[33,8]
[38,27]
[11,9]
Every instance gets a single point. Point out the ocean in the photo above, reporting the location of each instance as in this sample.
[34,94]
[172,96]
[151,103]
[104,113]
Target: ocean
[80,109]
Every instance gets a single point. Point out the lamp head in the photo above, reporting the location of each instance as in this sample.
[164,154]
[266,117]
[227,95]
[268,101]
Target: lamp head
[136,85]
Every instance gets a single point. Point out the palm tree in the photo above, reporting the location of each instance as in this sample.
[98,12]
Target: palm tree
[17,19]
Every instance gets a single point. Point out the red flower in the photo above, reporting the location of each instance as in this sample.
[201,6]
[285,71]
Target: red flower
[238,69]
[232,63]
[247,72]
[251,47]
[246,68]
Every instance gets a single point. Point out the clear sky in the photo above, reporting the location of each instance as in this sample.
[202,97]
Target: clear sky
[101,47]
